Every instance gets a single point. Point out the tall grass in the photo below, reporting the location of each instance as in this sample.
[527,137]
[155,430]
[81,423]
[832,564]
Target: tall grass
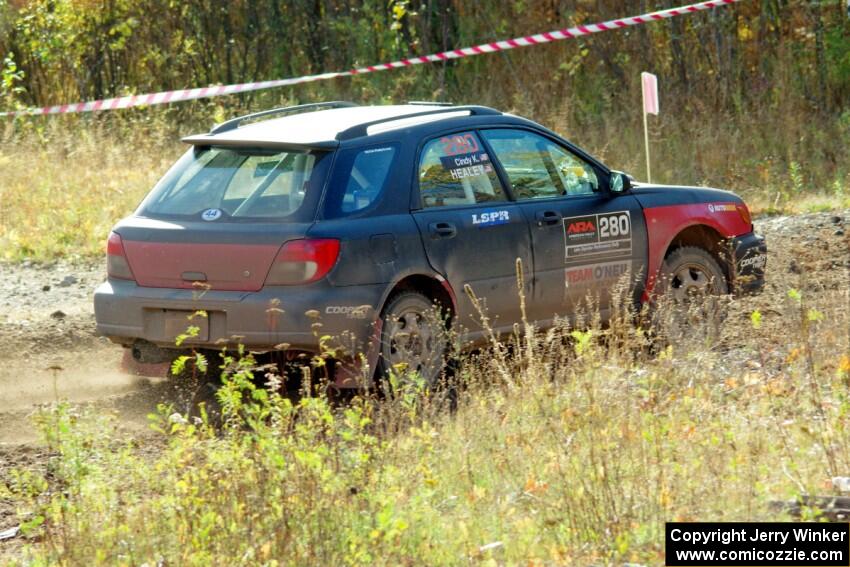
[63,189]
[571,446]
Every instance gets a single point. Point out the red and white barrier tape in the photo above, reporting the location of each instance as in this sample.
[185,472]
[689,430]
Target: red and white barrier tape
[205,92]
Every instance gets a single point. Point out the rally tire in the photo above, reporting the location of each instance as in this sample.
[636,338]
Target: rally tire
[413,337]
[690,271]
[690,291]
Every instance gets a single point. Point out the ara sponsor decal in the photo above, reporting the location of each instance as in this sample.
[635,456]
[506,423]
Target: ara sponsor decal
[721,207]
[350,311]
[755,262]
[605,235]
[491,218]
[582,229]
[592,274]
[211,214]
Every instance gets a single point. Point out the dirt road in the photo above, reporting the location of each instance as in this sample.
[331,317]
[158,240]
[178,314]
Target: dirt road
[49,351]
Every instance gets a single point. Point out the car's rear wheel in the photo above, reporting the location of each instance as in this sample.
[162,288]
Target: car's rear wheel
[192,387]
[690,286]
[413,337]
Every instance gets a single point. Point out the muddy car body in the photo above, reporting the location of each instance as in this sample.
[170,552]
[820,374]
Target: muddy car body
[354,214]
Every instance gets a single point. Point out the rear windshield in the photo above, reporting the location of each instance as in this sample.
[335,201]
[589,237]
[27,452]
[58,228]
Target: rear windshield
[225,183]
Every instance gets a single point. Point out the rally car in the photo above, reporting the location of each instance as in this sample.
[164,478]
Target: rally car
[364,218]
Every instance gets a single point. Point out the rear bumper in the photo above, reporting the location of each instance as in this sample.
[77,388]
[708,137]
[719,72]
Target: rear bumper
[750,251]
[126,312]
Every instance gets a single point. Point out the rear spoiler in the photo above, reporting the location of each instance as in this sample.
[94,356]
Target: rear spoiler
[208,140]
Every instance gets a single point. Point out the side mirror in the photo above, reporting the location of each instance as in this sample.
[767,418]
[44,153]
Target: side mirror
[619,182]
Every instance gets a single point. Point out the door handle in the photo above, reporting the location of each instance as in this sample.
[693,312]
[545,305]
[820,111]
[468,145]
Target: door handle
[547,217]
[442,230]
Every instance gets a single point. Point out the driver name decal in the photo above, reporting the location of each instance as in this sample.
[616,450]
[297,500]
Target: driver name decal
[600,236]
[467,165]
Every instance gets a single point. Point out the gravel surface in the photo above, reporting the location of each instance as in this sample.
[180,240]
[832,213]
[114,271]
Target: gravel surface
[45,307]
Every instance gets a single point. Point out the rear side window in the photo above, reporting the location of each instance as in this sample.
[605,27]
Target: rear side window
[455,170]
[360,177]
[237,183]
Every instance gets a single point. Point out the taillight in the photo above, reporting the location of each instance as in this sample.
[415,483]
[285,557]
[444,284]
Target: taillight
[745,214]
[303,261]
[116,260]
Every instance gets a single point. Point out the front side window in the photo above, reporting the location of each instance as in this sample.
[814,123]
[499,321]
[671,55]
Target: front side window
[240,183]
[456,170]
[538,168]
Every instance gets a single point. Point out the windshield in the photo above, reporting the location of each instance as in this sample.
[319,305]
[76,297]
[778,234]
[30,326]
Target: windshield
[237,183]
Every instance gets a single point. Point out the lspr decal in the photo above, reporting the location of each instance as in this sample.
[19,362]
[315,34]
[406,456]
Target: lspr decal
[604,235]
[491,218]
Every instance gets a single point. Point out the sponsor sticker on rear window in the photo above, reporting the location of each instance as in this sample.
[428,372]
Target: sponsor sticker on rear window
[211,214]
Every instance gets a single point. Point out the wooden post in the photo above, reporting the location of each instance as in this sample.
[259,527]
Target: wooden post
[649,93]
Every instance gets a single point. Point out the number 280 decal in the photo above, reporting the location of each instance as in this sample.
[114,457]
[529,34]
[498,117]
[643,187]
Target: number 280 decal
[614,225]
[601,235]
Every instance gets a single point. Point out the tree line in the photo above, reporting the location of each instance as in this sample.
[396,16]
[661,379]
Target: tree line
[56,51]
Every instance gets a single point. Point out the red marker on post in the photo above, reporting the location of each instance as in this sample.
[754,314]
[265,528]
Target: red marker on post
[649,89]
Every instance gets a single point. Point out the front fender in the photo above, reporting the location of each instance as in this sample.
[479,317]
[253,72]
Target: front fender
[664,223]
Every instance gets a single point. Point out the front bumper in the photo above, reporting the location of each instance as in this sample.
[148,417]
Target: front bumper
[126,313]
[750,254]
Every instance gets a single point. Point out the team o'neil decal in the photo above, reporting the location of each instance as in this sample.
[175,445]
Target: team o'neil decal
[211,214]
[490,218]
[602,236]
[590,275]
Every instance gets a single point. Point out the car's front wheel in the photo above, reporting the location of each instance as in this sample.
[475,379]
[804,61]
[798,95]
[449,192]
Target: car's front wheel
[689,302]
[690,273]
[413,337]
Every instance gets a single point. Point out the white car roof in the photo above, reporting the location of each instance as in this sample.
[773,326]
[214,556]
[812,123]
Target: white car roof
[320,128]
